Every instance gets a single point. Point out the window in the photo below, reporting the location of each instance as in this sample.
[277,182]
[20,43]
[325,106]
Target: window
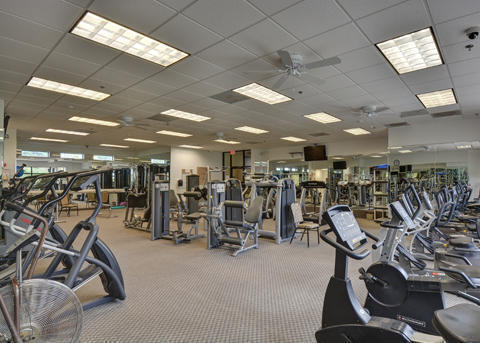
[71,156]
[103,158]
[157,161]
[26,153]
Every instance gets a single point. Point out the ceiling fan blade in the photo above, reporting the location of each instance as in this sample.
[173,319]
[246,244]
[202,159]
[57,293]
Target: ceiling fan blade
[280,81]
[381,109]
[263,71]
[286,58]
[313,79]
[323,63]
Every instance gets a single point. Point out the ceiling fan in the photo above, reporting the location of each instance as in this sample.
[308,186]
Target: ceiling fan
[127,121]
[368,114]
[293,66]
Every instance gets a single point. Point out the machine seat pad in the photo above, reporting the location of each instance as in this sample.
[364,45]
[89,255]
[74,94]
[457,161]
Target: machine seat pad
[193,216]
[236,223]
[462,242]
[308,225]
[310,218]
[459,324]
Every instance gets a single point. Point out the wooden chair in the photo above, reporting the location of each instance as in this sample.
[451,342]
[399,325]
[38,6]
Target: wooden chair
[65,204]
[300,224]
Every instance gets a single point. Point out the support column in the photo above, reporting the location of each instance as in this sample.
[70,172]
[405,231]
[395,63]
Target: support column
[10,151]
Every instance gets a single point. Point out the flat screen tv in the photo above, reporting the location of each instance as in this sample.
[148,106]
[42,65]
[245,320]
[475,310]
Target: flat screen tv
[340,165]
[315,153]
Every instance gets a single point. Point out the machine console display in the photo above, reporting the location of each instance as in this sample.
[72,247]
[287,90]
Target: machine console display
[347,228]
[402,213]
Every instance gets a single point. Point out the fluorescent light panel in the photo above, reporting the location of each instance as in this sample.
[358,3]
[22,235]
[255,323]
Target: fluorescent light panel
[226,141]
[48,139]
[58,87]
[394,147]
[322,117]
[438,98]
[357,131]
[405,151]
[190,146]
[293,139]
[93,121]
[261,93]
[73,156]
[466,146]
[173,133]
[185,115]
[68,132]
[413,51]
[115,146]
[250,129]
[119,37]
[376,156]
[337,158]
[139,140]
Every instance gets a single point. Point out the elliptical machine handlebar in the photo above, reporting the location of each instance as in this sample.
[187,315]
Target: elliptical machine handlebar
[350,253]
[411,189]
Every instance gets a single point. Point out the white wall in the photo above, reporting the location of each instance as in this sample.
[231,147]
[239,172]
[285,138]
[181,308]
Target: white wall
[10,151]
[191,159]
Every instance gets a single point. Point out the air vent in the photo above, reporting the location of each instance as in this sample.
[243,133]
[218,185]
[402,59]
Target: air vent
[403,123]
[162,118]
[318,134]
[413,113]
[230,97]
[446,114]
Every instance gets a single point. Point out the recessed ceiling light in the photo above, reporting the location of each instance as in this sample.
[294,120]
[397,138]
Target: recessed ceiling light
[376,156]
[139,140]
[68,132]
[104,31]
[466,146]
[357,131]
[173,133]
[293,139]
[93,121]
[185,115]
[438,98]
[260,93]
[190,146]
[404,151]
[413,51]
[48,139]
[337,158]
[251,130]
[394,147]
[115,146]
[226,141]
[63,88]
[322,117]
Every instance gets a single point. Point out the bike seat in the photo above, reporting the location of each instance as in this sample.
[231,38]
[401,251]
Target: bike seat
[462,242]
[458,324]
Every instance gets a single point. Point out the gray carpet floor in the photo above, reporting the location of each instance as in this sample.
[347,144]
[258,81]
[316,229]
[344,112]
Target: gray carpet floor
[186,293]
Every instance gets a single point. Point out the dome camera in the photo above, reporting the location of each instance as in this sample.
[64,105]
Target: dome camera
[472,33]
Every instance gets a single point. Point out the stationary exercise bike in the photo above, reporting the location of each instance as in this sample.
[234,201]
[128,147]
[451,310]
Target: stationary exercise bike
[345,320]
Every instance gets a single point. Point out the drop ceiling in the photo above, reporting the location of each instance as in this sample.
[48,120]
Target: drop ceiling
[226,39]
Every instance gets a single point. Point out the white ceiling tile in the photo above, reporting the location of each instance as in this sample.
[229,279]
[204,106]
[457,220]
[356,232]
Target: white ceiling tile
[151,108]
[308,55]
[227,80]
[36,93]
[359,101]
[184,96]
[336,82]
[116,77]
[203,89]
[22,51]
[17,107]
[311,17]
[152,87]
[256,70]
[140,15]
[102,86]
[81,3]
[7,96]
[196,67]
[228,16]
[176,4]
[453,31]
[289,83]
[209,103]
[9,86]
[457,52]
[173,79]
[373,73]
[134,65]
[395,21]
[465,67]
[346,92]
[425,75]
[338,41]
[431,86]
[87,50]
[59,75]
[320,100]
[263,38]
[25,31]
[168,102]
[122,102]
[185,34]
[272,6]
[361,8]
[70,64]
[323,72]
[54,13]
[226,55]
[467,80]
[135,94]
[360,58]
[14,77]
[443,10]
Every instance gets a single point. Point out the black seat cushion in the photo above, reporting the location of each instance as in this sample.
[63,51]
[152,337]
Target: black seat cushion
[462,242]
[459,324]
[310,218]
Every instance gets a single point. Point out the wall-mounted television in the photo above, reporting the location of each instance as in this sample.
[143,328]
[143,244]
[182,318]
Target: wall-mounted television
[406,168]
[337,165]
[315,153]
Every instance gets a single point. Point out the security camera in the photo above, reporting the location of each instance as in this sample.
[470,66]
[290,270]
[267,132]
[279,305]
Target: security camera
[472,33]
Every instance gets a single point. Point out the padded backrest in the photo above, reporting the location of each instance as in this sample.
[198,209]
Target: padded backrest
[296,212]
[254,211]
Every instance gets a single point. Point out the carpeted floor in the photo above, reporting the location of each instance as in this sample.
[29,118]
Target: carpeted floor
[186,293]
